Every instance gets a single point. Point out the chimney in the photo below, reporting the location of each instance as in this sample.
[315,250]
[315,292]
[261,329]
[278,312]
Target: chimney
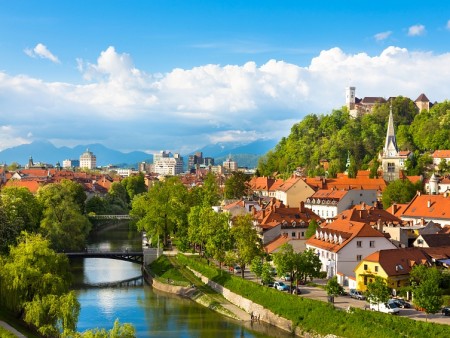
[422,221]
[394,208]
[302,207]
[429,203]
[380,225]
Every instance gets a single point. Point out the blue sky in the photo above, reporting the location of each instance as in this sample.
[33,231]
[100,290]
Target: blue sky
[177,75]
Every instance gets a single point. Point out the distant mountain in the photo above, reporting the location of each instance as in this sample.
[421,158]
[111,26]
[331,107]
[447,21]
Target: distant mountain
[46,152]
[246,155]
[259,147]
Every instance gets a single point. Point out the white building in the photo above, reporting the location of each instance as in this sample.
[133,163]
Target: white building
[229,165]
[329,203]
[71,163]
[88,160]
[166,165]
[341,245]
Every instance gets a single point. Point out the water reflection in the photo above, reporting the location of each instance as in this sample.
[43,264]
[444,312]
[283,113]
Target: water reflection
[153,313]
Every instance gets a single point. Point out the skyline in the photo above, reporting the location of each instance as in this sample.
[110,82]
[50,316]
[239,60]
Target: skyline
[177,75]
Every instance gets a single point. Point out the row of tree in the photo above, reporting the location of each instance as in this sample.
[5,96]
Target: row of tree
[336,135]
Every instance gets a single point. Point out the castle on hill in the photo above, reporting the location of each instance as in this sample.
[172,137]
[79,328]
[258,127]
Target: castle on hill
[358,107]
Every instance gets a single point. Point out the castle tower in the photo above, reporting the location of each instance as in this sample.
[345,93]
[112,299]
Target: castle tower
[350,97]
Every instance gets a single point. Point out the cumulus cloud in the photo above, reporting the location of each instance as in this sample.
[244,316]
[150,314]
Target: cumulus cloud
[382,36]
[416,30]
[42,52]
[126,108]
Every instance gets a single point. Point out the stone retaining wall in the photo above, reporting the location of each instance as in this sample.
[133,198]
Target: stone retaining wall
[250,306]
[176,289]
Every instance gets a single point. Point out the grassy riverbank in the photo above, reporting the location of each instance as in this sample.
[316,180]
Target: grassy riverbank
[316,316]
[16,323]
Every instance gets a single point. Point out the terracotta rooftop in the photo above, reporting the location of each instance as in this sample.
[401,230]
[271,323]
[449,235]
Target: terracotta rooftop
[276,243]
[422,98]
[437,240]
[428,206]
[344,228]
[441,154]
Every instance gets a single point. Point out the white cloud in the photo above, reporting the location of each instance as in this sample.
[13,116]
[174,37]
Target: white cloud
[41,51]
[382,36]
[126,108]
[416,30]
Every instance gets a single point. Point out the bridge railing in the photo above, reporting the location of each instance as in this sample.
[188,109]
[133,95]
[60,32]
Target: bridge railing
[110,216]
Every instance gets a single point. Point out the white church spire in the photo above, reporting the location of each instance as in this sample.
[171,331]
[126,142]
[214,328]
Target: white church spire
[390,146]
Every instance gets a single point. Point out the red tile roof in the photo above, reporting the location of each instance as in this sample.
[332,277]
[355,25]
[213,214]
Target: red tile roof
[428,207]
[441,154]
[276,243]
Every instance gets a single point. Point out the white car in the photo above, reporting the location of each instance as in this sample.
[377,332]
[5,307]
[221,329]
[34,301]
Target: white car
[389,307]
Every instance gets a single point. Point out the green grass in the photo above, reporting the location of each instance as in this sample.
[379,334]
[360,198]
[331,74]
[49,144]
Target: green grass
[6,334]
[16,323]
[320,317]
[164,270]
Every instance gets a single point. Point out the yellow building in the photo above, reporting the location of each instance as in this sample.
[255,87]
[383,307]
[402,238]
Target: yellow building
[392,265]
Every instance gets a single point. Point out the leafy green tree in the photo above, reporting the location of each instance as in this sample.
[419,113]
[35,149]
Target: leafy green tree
[443,167]
[246,241]
[96,205]
[374,166]
[8,231]
[312,227]
[34,281]
[117,199]
[399,191]
[119,330]
[257,266]
[377,291]
[134,185]
[162,210]
[309,265]
[427,294]
[210,191]
[218,237]
[267,273]
[63,221]
[22,208]
[236,185]
[287,261]
[333,288]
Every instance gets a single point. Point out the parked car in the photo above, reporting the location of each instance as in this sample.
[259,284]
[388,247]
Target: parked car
[237,269]
[389,307]
[401,303]
[356,294]
[446,311]
[280,286]
[286,277]
[269,284]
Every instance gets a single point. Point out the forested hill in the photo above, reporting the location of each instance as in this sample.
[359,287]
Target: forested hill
[336,135]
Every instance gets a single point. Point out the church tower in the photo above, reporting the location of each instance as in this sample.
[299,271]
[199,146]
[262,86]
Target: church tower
[392,160]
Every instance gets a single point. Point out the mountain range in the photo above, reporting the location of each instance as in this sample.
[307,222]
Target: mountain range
[45,152]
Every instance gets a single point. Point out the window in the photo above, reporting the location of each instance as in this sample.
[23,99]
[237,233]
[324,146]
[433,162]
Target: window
[376,268]
[391,167]
[303,234]
[365,266]
[372,244]
[359,244]
[293,234]
[359,258]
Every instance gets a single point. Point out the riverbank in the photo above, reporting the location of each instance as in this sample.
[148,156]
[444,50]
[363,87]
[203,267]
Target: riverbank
[200,294]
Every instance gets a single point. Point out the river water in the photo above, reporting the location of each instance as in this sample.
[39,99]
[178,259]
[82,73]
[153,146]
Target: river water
[153,313]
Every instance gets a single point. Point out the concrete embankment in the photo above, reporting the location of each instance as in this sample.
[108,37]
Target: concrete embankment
[192,292]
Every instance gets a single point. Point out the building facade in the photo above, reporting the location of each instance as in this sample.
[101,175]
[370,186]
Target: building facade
[88,160]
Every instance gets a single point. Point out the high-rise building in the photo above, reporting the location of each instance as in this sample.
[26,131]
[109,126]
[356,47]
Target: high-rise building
[88,160]
[167,165]
[229,165]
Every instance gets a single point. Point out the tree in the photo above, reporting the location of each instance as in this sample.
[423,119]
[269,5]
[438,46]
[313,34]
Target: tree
[8,231]
[312,227]
[162,209]
[117,199]
[287,261]
[377,291]
[257,266]
[399,191]
[22,208]
[333,288]
[63,220]
[267,273]
[246,240]
[119,330]
[134,185]
[218,240]
[309,265]
[236,185]
[34,281]
[210,191]
[427,294]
